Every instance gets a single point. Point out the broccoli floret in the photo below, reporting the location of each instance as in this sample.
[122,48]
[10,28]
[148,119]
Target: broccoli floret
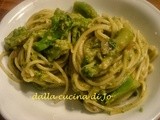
[90,70]
[16,38]
[84,9]
[129,85]
[59,48]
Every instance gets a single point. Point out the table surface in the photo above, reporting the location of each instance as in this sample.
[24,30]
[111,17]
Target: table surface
[7,5]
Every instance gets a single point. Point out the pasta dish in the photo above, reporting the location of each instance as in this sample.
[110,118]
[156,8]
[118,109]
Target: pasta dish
[92,54]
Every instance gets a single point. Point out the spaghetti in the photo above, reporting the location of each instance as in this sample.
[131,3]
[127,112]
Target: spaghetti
[106,58]
[30,65]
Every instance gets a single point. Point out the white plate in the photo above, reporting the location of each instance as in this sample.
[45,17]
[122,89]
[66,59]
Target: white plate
[16,100]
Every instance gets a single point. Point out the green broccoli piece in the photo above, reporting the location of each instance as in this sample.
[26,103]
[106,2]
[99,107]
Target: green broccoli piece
[47,40]
[84,9]
[90,70]
[16,38]
[129,85]
[61,24]
[122,39]
[59,48]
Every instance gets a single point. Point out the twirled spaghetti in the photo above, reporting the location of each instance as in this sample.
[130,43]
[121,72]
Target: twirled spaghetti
[93,52]
[32,66]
